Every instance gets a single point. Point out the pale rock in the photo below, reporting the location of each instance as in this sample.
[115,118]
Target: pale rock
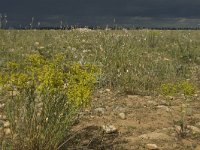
[101,91]
[164,108]
[7,131]
[6,124]
[2,106]
[109,129]
[108,90]
[152,146]
[178,129]
[100,110]
[122,116]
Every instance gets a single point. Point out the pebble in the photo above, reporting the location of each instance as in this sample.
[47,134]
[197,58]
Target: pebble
[164,108]
[7,131]
[108,90]
[6,124]
[122,116]
[109,129]
[2,106]
[152,146]
[178,129]
[100,110]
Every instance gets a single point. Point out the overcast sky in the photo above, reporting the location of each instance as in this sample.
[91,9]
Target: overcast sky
[23,10]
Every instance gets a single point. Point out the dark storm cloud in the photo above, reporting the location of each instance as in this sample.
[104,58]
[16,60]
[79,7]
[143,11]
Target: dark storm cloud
[101,12]
[144,8]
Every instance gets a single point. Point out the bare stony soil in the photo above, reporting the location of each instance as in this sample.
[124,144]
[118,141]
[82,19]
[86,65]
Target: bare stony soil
[135,122]
[125,122]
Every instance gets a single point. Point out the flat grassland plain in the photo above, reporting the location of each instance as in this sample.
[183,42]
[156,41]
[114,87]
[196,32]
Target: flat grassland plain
[145,93]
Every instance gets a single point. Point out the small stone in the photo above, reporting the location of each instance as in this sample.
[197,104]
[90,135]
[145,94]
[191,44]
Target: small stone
[108,90]
[122,116]
[194,129]
[6,124]
[152,146]
[109,129]
[100,110]
[101,91]
[178,129]
[163,108]
[2,106]
[7,131]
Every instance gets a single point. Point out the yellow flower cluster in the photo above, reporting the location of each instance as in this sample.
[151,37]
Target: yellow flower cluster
[50,76]
[183,87]
[80,83]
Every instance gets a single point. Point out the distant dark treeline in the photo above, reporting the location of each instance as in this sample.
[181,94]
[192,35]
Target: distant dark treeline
[103,28]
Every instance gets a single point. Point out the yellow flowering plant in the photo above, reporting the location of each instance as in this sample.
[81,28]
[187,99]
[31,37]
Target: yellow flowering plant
[186,89]
[50,93]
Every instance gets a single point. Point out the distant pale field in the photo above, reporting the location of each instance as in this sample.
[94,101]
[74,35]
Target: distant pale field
[135,61]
